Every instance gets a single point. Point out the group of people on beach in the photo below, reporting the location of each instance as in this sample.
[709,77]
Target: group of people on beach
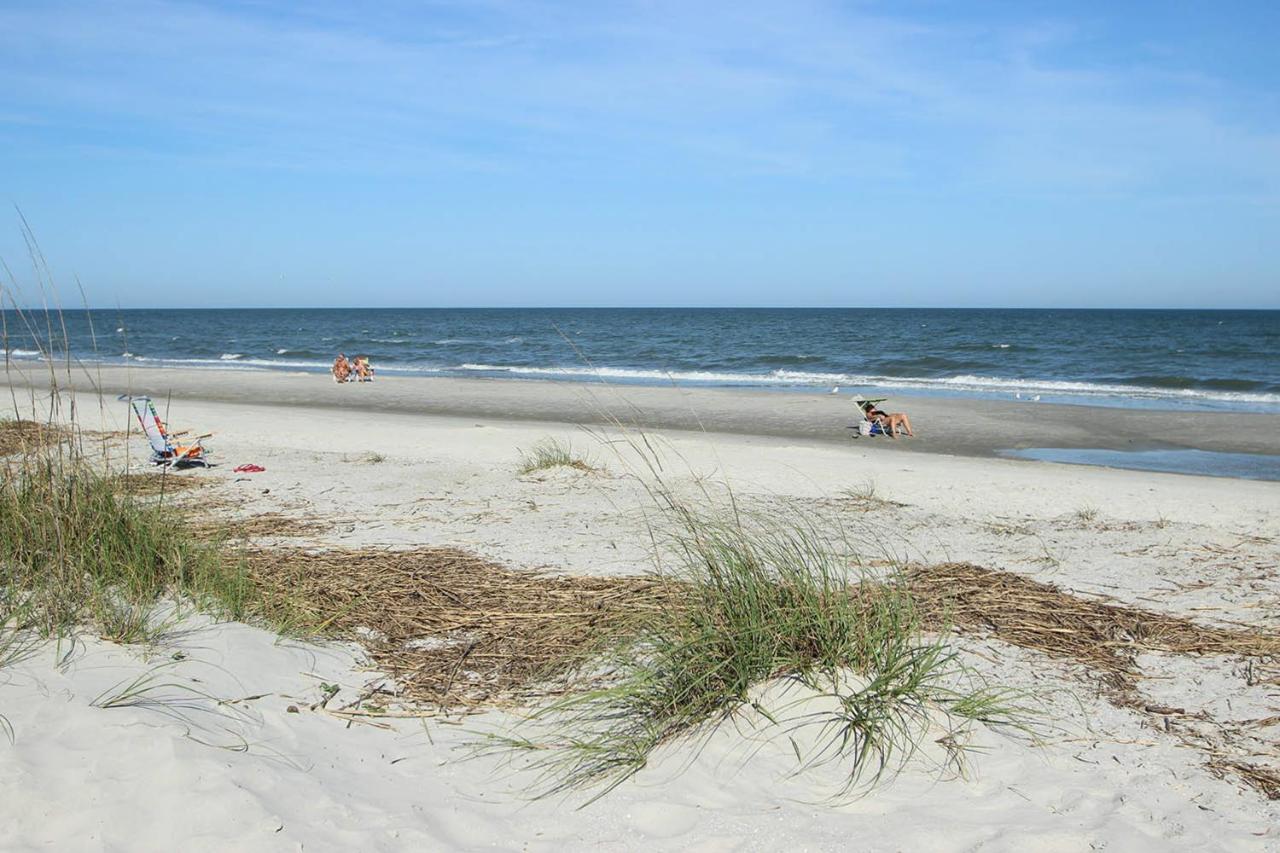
[352,369]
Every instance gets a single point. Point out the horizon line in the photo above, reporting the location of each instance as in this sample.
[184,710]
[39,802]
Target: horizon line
[51,310]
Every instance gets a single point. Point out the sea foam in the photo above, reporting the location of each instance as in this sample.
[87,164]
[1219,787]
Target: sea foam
[962,383]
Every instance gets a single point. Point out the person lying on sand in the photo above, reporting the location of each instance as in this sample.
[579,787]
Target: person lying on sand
[341,368]
[891,422]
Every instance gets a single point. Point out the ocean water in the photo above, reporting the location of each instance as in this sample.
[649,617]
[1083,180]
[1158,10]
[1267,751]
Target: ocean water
[1245,466]
[1216,360]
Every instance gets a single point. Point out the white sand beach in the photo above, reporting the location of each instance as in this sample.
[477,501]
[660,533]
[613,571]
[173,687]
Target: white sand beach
[456,426]
[225,750]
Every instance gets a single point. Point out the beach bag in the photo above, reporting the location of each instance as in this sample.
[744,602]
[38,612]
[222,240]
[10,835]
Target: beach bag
[864,428]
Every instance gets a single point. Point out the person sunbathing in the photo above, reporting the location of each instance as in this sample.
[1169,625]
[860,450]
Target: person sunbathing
[364,373]
[891,423]
[341,368]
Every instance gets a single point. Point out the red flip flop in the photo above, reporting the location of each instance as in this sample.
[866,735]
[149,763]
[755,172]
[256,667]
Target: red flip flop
[249,469]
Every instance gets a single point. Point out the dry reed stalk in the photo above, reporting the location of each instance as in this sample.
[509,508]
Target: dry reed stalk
[450,626]
[1105,638]
[157,483]
[258,526]
[23,436]
[1034,615]
[1262,779]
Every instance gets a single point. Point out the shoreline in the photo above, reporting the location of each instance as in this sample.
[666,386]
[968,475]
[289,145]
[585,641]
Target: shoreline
[957,427]
[1052,391]
[1063,392]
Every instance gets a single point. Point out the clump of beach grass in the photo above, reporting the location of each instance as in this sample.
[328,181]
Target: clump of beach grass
[77,552]
[864,491]
[552,453]
[865,497]
[82,548]
[762,602]
[1086,514]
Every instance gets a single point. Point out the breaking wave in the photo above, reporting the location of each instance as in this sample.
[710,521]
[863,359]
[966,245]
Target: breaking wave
[961,383]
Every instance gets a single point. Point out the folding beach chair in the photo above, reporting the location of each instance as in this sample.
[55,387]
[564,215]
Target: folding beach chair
[865,426]
[163,449]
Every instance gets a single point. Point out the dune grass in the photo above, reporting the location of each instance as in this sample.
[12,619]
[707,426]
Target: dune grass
[763,601]
[81,547]
[1086,514]
[77,552]
[552,453]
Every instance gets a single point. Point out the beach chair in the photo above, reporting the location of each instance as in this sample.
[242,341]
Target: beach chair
[164,451]
[865,426]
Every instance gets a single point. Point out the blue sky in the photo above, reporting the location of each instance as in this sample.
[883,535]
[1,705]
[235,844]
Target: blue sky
[503,152]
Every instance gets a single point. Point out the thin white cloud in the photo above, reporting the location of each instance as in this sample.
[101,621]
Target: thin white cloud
[805,88]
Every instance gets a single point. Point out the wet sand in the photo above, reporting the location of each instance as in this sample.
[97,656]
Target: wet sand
[951,426]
